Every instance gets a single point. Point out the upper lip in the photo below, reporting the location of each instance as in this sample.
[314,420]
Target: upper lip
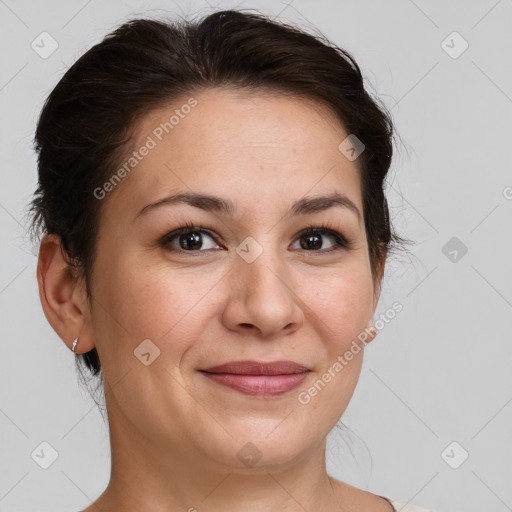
[258,368]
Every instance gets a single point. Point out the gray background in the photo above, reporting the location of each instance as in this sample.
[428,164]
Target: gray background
[438,373]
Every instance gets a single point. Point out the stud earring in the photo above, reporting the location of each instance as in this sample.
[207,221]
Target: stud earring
[74,344]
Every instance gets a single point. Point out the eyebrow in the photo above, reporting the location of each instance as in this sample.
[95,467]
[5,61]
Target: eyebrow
[217,204]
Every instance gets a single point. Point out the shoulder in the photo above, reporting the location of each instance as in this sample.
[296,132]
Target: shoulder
[356,499]
[359,499]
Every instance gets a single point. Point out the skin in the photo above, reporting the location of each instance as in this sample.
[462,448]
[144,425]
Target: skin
[174,433]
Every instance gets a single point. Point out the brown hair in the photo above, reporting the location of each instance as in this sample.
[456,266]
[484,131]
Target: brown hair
[88,119]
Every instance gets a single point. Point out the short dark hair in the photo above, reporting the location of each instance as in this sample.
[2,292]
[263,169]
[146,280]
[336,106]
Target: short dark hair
[89,118]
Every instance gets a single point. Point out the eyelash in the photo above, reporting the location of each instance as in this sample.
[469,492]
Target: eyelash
[313,229]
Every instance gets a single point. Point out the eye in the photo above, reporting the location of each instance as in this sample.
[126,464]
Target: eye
[311,239]
[188,238]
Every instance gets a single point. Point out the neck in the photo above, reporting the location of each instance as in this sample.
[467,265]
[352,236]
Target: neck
[149,476]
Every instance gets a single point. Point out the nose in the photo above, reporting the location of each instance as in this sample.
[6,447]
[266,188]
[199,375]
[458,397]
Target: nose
[262,299]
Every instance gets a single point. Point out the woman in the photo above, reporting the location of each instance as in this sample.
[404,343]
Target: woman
[215,236]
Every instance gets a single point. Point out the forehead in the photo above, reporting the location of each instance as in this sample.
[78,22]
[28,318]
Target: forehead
[242,118]
[247,144]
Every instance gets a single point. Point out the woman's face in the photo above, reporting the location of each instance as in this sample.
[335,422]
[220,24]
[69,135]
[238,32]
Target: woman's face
[245,284]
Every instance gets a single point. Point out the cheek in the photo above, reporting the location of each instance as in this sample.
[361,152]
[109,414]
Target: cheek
[339,310]
[341,305]
[156,302]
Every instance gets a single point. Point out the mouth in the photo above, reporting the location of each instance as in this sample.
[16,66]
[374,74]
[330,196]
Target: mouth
[262,379]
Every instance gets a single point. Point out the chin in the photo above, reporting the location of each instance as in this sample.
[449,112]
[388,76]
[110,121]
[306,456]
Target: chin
[262,452]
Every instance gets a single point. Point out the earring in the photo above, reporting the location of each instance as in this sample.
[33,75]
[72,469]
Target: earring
[74,344]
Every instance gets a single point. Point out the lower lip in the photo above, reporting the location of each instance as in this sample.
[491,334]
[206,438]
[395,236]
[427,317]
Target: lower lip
[259,385]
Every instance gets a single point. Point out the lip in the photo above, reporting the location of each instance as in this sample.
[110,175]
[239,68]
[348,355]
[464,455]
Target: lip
[258,368]
[258,378]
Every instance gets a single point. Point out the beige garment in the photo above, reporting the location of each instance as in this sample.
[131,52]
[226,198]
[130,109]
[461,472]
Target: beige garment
[409,507]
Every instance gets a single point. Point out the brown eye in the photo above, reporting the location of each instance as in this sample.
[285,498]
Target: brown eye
[312,239]
[191,240]
[188,238]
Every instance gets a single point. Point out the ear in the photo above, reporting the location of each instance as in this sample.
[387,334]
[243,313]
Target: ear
[62,295]
[377,282]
